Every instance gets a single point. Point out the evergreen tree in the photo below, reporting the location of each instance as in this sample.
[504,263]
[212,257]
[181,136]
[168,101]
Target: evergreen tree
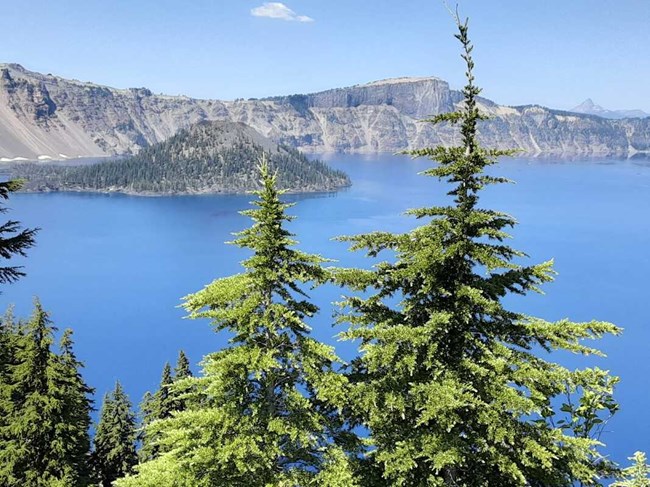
[260,413]
[163,399]
[8,342]
[13,240]
[147,408]
[182,369]
[45,434]
[156,407]
[28,428]
[452,386]
[636,475]
[72,434]
[114,454]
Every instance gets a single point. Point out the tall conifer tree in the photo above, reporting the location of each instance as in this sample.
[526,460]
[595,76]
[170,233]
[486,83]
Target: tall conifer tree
[163,398]
[73,436]
[156,407]
[182,369]
[27,433]
[454,387]
[260,414]
[114,452]
[44,438]
[9,337]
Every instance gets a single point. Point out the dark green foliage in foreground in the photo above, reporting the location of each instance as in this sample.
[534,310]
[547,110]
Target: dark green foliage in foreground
[454,387]
[259,415]
[44,439]
[114,452]
[14,241]
[209,157]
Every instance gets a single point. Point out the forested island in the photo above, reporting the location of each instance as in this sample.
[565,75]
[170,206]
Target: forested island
[209,157]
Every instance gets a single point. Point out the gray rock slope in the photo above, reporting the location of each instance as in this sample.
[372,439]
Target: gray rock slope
[45,116]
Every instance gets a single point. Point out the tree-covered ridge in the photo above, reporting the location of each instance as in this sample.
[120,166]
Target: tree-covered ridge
[209,157]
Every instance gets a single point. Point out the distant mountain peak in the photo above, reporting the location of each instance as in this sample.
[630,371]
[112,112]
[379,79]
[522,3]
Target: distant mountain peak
[588,107]
[588,103]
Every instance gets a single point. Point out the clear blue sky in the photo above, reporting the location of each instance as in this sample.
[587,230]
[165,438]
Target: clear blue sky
[551,52]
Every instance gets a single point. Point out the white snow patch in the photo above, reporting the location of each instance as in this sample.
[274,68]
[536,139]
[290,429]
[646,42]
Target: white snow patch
[7,159]
[63,156]
[44,158]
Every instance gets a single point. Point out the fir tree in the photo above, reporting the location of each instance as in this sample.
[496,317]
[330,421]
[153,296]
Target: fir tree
[452,386]
[156,407]
[45,435]
[182,369]
[9,334]
[13,240]
[27,431]
[163,399]
[182,372]
[73,435]
[114,454]
[259,414]
[636,475]
[147,408]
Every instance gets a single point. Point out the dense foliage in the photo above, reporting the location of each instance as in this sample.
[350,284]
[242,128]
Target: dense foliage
[45,407]
[260,414]
[453,387]
[161,404]
[210,157]
[114,453]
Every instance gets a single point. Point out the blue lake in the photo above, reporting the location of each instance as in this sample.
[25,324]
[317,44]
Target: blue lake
[114,267]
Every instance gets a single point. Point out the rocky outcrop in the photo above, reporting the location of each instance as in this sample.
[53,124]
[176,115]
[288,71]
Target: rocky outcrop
[49,117]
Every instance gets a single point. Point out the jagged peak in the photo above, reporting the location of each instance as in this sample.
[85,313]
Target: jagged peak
[587,105]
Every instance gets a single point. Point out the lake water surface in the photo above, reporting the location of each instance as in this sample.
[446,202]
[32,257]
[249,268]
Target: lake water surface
[114,267]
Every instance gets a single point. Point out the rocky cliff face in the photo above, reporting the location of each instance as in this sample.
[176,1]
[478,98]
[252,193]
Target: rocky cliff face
[44,116]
